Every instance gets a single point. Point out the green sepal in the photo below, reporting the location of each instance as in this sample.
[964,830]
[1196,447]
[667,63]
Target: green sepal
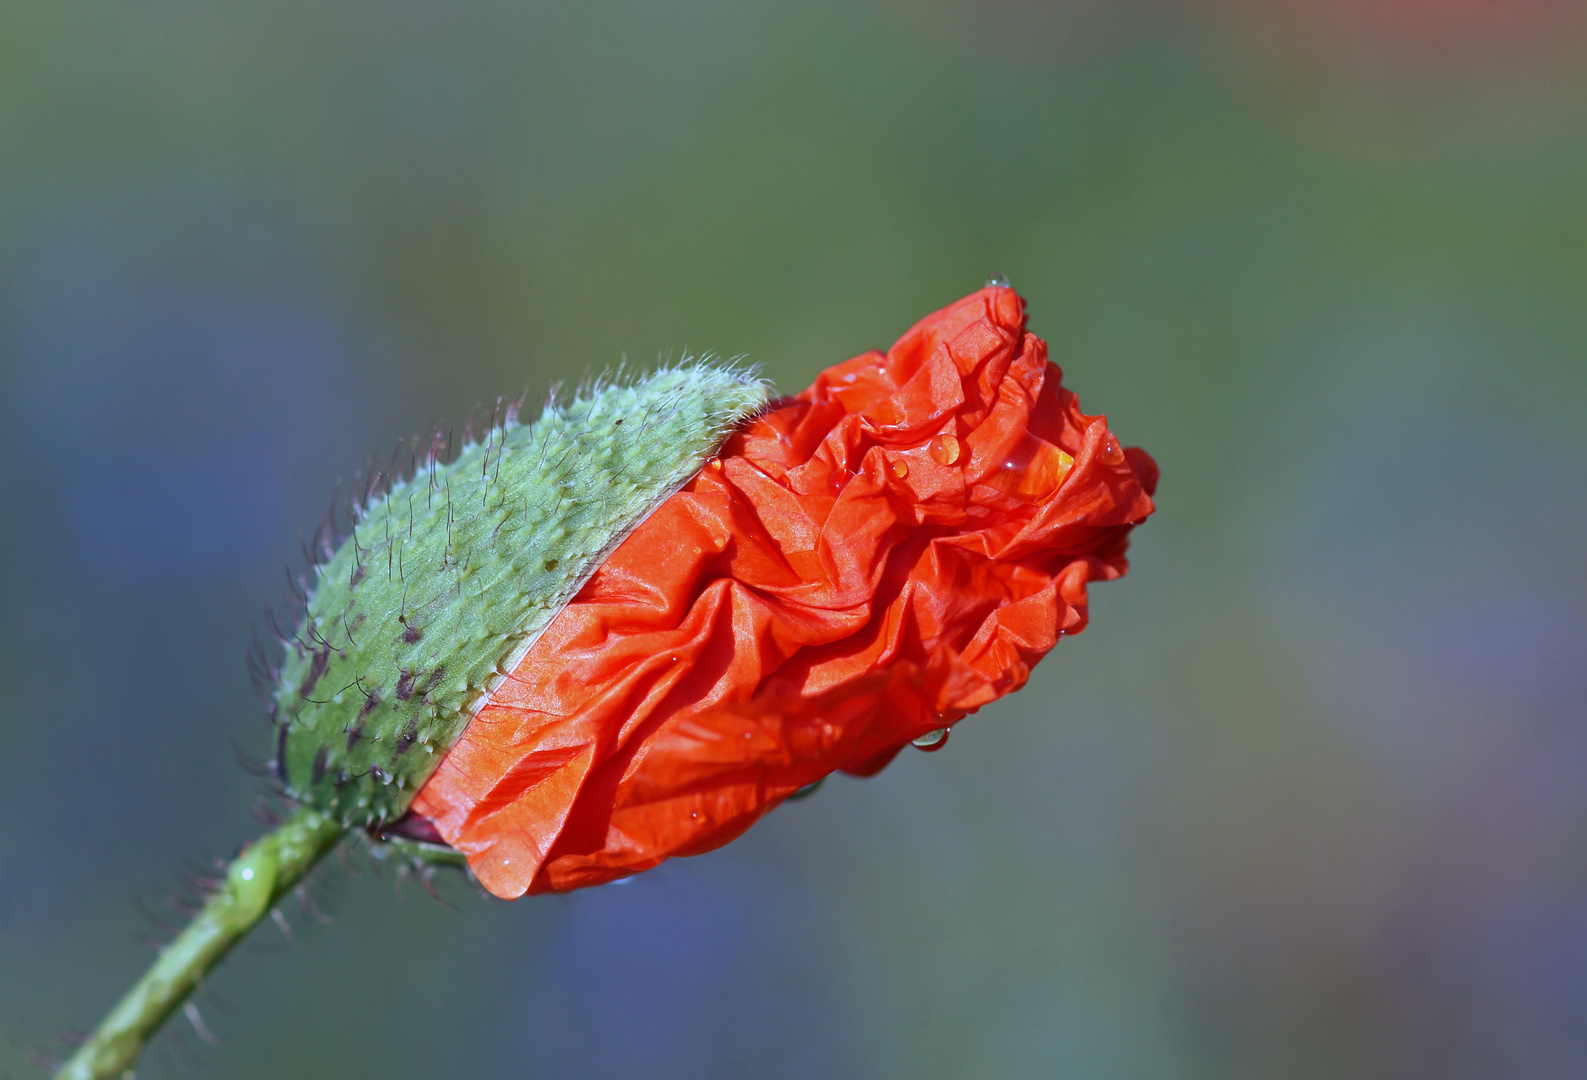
[448,579]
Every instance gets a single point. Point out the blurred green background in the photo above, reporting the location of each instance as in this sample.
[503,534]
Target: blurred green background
[1306,800]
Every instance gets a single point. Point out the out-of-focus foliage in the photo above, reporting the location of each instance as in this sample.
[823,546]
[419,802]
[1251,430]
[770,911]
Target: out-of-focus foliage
[1306,799]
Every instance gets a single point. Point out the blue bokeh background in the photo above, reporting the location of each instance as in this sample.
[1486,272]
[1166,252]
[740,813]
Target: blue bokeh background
[1309,797]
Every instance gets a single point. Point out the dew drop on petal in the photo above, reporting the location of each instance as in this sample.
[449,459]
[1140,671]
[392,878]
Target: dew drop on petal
[1034,471]
[806,791]
[932,740]
[899,469]
[944,449]
[996,281]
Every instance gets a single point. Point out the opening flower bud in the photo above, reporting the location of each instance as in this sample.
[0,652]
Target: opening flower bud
[803,608]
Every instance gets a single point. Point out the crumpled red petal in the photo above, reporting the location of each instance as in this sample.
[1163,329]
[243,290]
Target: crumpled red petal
[889,551]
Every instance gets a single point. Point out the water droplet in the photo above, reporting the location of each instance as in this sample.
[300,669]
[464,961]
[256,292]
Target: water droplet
[997,281]
[247,873]
[806,791]
[1033,471]
[944,449]
[933,740]
[899,469]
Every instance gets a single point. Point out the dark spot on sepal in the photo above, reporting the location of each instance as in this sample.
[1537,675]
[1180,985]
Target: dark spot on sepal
[411,634]
[321,756]
[353,735]
[406,740]
[552,564]
[370,702]
[281,752]
[322,658]
[405,685]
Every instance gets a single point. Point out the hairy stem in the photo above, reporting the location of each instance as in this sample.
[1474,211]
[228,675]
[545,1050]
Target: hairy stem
[255,880]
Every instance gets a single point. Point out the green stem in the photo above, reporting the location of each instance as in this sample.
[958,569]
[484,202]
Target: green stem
[255,880]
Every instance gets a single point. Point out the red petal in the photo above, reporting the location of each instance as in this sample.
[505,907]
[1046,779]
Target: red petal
[890,550]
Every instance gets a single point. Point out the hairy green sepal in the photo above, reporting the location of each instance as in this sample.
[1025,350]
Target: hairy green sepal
[448,579]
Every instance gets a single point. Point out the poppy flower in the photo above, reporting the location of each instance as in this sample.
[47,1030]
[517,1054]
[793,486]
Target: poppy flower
[860,567]
[572,651]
